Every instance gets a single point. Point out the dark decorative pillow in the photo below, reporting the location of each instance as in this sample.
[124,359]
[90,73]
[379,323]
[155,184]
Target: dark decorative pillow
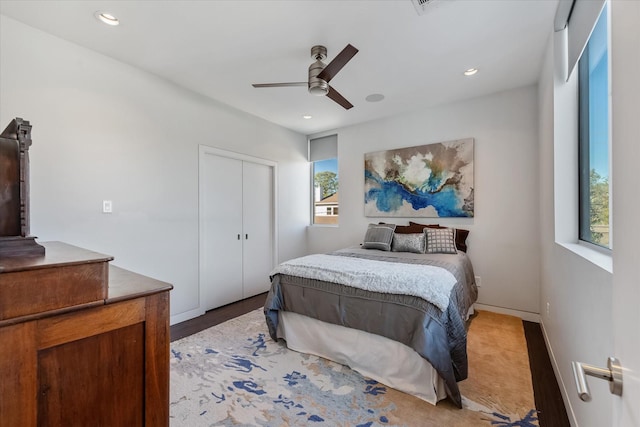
[461,239]
[411,228]
[409,242]
[441,240]
[461,235]
[379,236]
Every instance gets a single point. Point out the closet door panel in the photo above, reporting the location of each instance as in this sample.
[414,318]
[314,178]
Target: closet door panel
[258,227]
[221,196]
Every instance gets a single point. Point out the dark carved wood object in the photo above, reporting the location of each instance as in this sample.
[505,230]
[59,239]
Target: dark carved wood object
[14,191]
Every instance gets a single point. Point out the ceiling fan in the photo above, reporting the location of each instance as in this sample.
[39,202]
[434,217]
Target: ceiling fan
[320,74]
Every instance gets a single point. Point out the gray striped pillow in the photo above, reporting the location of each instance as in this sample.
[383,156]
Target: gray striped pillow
[379,236]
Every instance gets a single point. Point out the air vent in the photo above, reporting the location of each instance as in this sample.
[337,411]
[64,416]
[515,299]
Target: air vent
[423,5]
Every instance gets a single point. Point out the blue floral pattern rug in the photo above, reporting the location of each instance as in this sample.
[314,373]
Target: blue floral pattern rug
[234,374]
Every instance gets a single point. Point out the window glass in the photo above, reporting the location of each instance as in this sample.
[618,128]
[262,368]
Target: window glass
[325,191]
[594,119]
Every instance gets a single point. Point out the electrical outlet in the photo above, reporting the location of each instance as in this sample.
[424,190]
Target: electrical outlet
[478,281]
[107,206]
[548,309]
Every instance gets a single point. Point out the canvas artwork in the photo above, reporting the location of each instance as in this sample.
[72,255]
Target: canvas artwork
[434,180]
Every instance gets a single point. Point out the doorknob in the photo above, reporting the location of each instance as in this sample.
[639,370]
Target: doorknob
[613,374]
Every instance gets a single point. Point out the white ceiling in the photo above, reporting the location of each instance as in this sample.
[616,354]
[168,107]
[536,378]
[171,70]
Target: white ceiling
[218,48]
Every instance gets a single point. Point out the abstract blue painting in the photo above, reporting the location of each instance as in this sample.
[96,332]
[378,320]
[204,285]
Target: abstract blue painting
[434,180]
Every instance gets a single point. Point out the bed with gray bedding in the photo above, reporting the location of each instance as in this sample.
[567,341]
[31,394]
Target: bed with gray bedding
[436,331]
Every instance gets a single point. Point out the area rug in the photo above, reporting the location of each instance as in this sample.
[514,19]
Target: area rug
[234,374]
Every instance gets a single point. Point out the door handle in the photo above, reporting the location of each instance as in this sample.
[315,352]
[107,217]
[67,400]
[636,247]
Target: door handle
[613,374]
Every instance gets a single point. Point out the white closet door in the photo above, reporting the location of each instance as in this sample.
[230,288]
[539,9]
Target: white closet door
[258,227]
[221,231]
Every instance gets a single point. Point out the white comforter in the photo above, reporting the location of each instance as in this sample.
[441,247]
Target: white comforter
[431,283]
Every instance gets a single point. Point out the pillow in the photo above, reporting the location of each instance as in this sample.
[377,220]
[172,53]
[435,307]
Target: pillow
[461,235]
[461,239]
[410,229]
[409,242]
[379,236]
[441,240]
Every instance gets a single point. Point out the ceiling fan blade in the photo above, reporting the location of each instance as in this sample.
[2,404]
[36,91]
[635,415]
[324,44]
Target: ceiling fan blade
[290,84]
[333,94]
[338,62]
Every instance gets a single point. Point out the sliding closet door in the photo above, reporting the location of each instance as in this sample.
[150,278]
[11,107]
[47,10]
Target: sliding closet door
[257,217]
[221,231]
[237,226]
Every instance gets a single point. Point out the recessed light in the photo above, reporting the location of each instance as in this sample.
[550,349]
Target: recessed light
[375,97]
[107,18]
[470,71]
[306,116]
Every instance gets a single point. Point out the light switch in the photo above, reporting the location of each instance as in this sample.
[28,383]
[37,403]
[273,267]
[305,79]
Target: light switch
[107,206]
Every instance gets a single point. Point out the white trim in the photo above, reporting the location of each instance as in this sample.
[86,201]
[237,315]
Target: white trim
[312,189]
[563,389]
[524,315]
[207,150]
[326,134]
[599,257]
[186,315]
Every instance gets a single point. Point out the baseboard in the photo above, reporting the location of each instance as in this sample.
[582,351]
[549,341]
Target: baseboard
[563,389]
[524,315]
[184,316]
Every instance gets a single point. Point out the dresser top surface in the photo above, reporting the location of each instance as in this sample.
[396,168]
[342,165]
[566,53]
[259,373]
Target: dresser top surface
[67,278]
[57,254]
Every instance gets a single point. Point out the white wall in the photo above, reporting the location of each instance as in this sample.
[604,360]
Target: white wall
[578,290]
[504,235]
[105,130]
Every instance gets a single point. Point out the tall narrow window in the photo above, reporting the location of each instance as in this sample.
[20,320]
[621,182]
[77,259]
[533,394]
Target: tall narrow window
[323,154]
[594,165]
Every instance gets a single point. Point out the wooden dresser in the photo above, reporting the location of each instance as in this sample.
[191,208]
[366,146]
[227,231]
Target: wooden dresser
[82,343]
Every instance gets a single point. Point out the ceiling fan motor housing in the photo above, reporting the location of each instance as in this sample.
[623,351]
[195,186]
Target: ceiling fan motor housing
[317,86]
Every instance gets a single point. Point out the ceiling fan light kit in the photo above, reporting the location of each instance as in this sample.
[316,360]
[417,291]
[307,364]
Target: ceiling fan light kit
[320,74]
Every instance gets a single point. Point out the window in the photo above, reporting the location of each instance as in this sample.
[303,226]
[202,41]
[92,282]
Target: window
[593,136]
[323,154]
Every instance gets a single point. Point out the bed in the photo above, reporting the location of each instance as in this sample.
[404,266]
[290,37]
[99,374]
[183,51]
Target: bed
[393,315]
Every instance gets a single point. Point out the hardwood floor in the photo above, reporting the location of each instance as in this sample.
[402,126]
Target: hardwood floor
[216,316]
[551,409]
[552,412]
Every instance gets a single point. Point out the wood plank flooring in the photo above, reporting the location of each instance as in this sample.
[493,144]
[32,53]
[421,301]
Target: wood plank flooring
[546,392]
[552,412]
[217,316]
